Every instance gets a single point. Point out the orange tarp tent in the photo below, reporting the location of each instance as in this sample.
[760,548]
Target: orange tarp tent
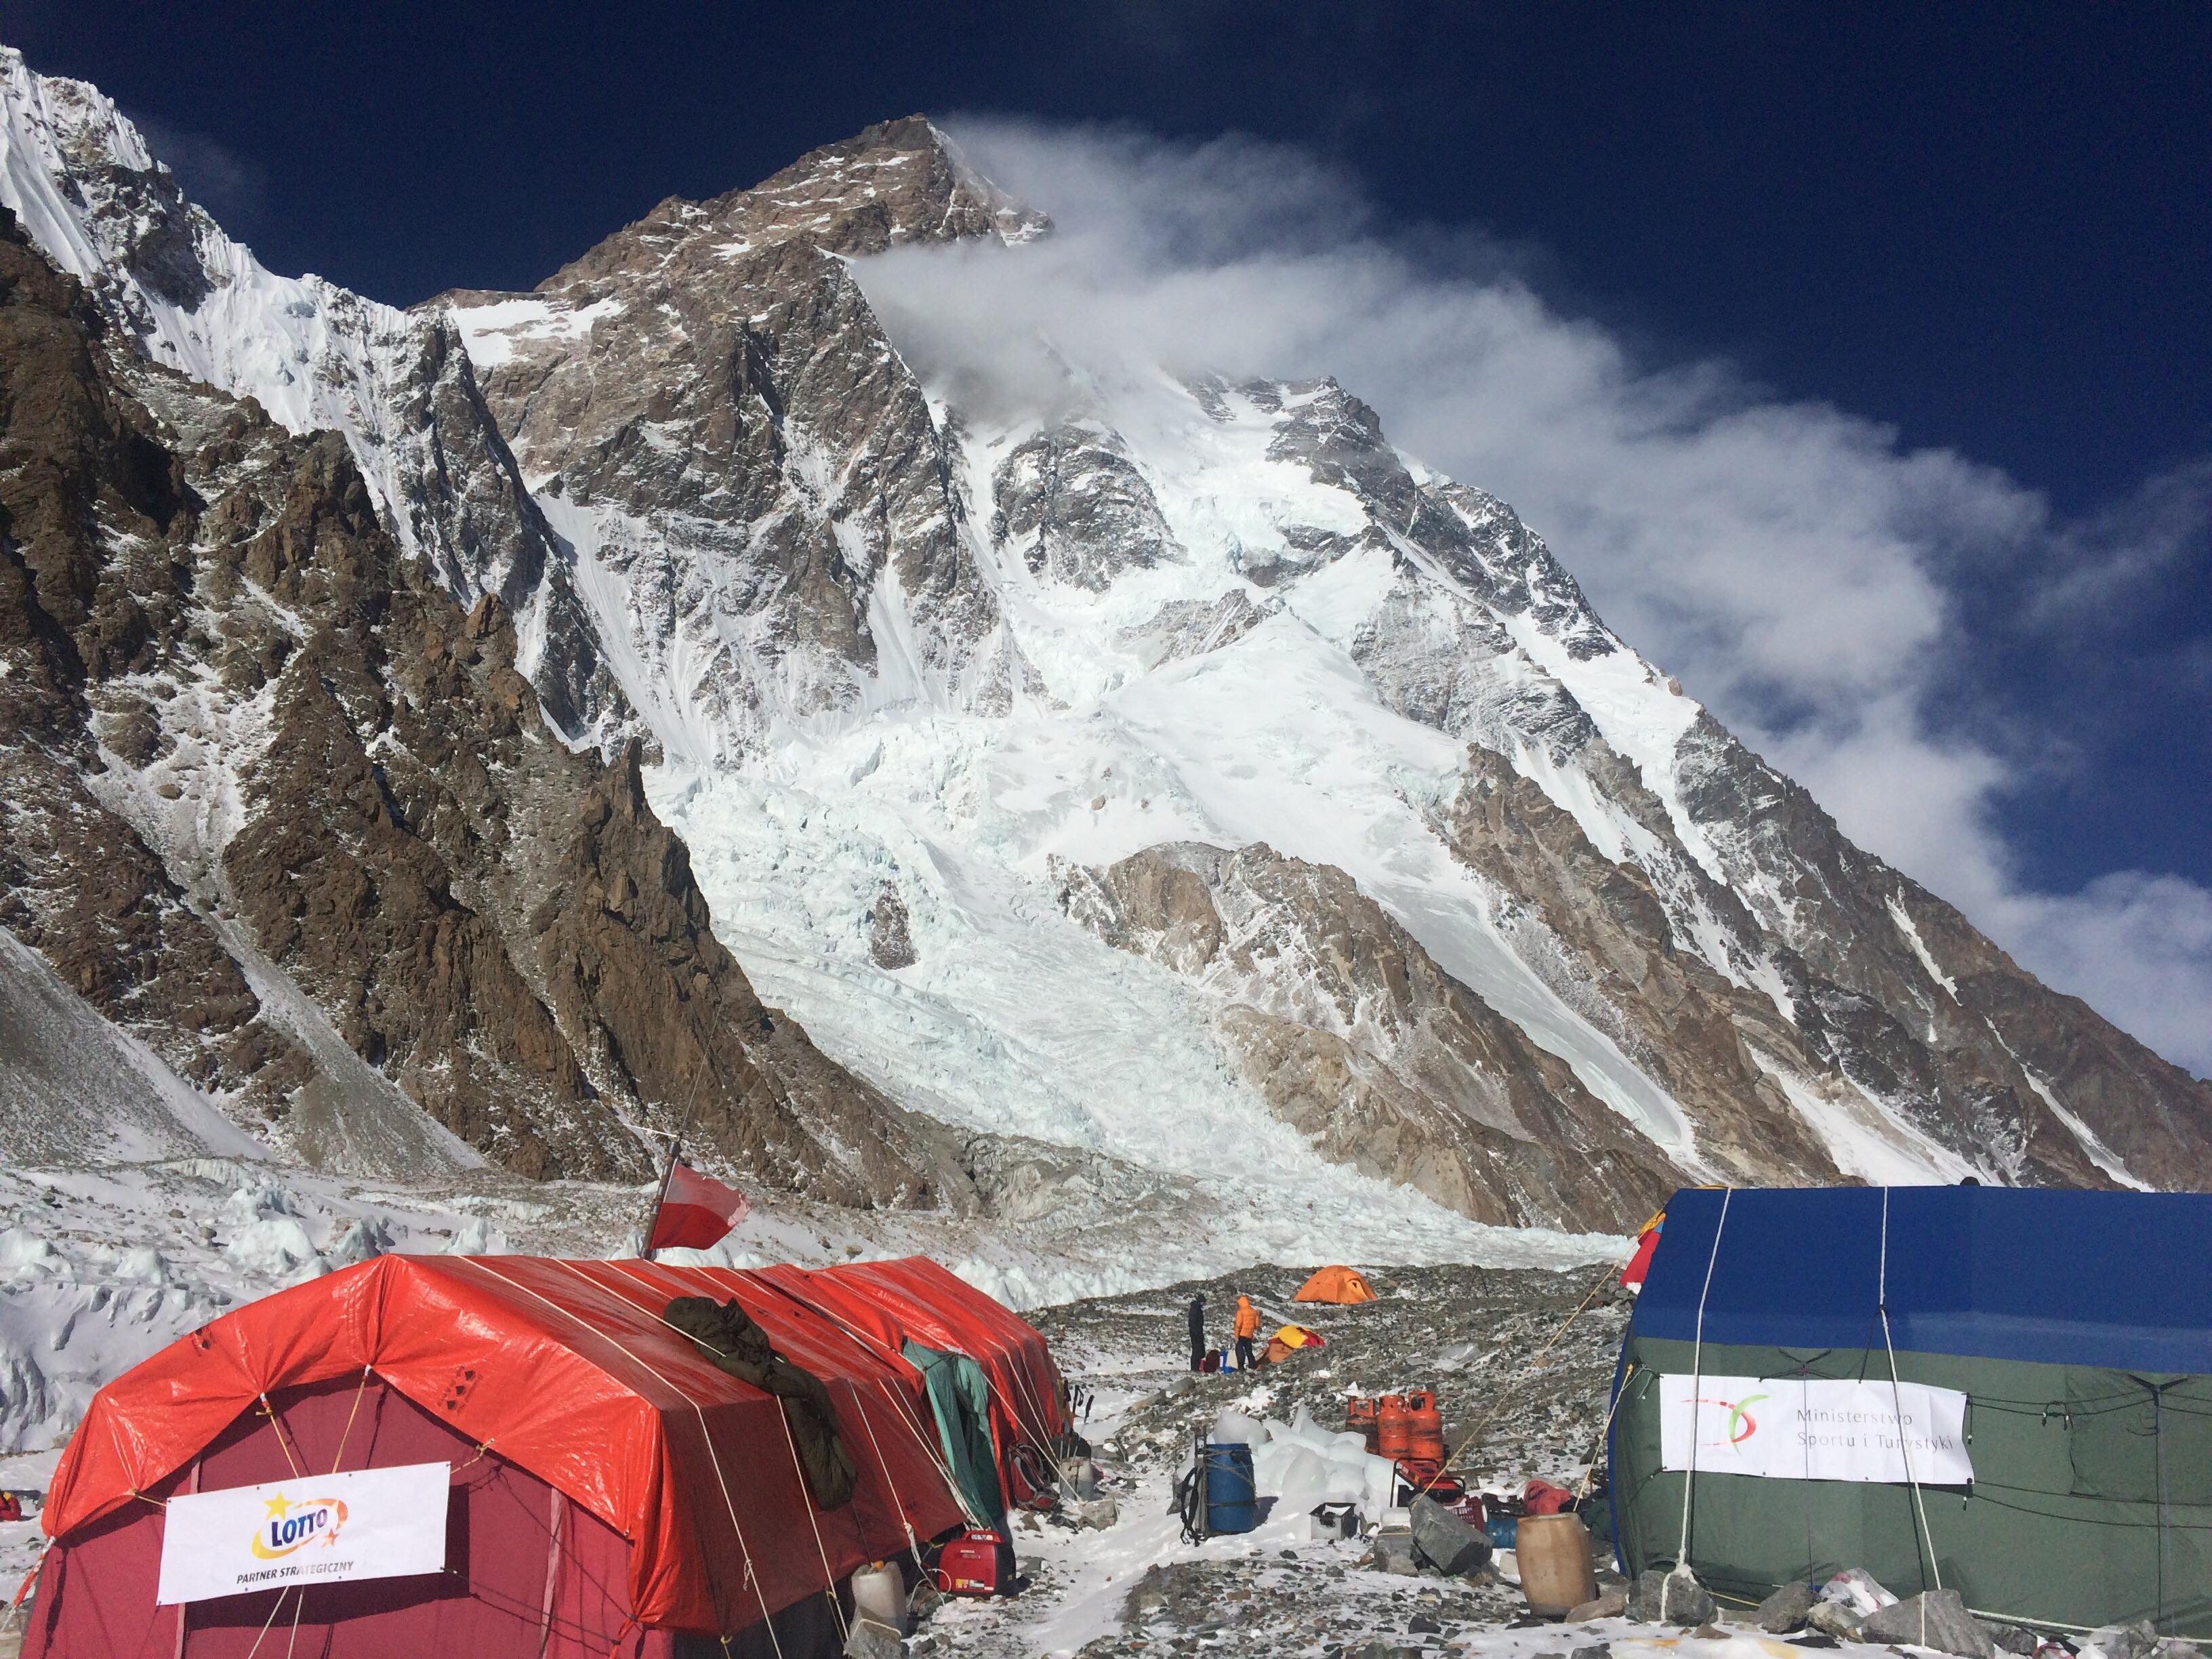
[617,1487]
[1339,1284]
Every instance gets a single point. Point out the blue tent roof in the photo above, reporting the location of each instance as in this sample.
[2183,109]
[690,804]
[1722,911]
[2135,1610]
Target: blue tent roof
[2119,1279]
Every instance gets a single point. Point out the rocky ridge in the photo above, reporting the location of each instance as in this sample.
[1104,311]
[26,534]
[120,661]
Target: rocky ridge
[278,805]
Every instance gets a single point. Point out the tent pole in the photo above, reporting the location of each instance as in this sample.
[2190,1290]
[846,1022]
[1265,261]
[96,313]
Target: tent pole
[668,1169]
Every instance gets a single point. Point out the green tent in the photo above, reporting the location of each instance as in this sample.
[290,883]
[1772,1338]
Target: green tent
[960,1398]
[2007,1391]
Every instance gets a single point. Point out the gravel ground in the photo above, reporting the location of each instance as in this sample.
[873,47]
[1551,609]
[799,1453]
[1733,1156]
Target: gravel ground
[1473,1334]
[1137,1588]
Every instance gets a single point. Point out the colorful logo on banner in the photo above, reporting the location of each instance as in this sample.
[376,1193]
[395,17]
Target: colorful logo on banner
[1741,1424]
[289,1526]
[387,1522]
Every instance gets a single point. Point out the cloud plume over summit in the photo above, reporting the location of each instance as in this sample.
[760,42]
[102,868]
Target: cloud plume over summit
[1827,590]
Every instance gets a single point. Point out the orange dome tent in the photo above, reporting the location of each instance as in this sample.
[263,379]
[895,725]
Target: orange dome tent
[1339,1284]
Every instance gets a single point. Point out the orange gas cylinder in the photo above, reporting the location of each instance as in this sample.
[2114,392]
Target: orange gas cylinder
[1393,1429]
[1424,1425]
[1360,1417]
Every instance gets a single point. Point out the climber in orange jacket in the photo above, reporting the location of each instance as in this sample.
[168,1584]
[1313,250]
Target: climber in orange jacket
[1247,1327]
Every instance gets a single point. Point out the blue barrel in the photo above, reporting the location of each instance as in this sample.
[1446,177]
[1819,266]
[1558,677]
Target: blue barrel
[1232,1499]
[1503,1530]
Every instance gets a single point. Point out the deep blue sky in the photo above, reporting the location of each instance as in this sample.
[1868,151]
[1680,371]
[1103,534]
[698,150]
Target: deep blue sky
[1990,226]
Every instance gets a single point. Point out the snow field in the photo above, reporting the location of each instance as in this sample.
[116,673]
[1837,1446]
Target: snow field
[1014,1019]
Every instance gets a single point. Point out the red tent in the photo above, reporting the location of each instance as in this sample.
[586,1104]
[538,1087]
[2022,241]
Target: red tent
[888,1303]
[610,1488]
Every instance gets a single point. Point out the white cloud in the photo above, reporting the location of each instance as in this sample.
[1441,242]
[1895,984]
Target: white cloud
[1789,561]
[233,188]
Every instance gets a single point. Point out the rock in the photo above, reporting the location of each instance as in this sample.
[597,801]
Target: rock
[1421,1625]
[1814,1639]
[1395,1552]
[1709,1633]
[1094,1514]
[2013,1639]
[1592,1651]
[1610,1603]
[869,1640]
[2170,1647]
[1661,1598]
[923,1601]
[1933,1619]
[1836,1618]
[1787,1609]
[1446,1541]
[890,941]
[2134,1641]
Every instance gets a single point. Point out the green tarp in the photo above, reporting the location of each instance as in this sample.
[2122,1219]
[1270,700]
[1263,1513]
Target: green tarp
[2091,1501]
[960,1397]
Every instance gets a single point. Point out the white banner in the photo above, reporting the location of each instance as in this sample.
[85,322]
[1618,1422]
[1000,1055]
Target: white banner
[1813,1429]
[323,1529]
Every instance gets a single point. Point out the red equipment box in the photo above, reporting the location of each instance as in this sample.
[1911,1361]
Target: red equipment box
[969,1565]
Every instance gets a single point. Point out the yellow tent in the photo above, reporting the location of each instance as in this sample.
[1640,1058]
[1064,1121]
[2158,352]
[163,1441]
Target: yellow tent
[1339,1284]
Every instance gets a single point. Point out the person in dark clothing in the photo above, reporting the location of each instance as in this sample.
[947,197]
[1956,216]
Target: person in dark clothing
[1198,1333]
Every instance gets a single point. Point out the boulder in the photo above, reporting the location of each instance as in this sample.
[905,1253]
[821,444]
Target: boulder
[1611,1603]
[2135,1641]
[1787,1609]
[1834,1620]
[1395,1552]
[1446,1541]
[1663,1598]
[2017,1639]
[1093,1514]
[869,1640]
[1592,1651]
[1837,1619]
[1933,1619]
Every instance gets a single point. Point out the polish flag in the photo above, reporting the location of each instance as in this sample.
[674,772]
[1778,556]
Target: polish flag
[695,1212]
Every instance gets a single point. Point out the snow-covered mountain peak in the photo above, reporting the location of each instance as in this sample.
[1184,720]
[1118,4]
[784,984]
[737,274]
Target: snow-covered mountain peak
[895,183]
[316,357]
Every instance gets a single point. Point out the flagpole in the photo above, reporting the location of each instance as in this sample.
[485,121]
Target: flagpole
[675,1146]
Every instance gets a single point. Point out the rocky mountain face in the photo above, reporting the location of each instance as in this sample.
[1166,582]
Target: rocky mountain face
[1357,1038]
[758,503]
[282,809]
[1166,771]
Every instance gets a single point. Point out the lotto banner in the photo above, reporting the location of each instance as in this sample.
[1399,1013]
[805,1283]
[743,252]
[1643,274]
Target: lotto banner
[1814,1429]
[320,1529]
